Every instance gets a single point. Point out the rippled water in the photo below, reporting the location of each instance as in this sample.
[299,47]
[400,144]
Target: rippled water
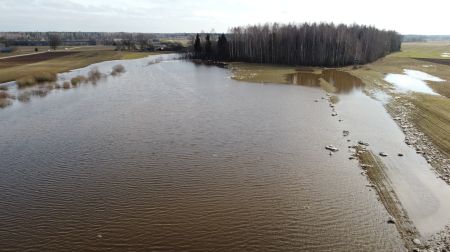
[177,156]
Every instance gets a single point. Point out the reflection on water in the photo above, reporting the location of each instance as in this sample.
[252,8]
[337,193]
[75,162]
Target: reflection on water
[330,80]
[174,156]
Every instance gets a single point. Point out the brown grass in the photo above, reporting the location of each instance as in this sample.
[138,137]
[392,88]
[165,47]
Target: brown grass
[117,70]
[78,79]
[66,85]
[77,59]
[5,99]
[432,116]
[36,78]
[4,103]
[94,75]
[4,95]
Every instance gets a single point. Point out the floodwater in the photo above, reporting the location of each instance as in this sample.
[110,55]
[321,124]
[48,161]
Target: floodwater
[340,82]
[423,195]
[178,156]
[412,80]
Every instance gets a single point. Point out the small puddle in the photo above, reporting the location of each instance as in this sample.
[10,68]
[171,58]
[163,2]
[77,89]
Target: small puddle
[412,80]
[330,80]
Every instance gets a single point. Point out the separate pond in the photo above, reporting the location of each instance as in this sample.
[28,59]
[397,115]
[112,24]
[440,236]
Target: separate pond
[412,80]
[178,156]
[331,80]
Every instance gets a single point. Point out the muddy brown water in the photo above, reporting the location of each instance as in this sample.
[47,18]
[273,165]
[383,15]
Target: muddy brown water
[343,82]
[178,156]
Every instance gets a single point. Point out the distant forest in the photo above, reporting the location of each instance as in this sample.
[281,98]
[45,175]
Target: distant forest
[425,38]
[326,45]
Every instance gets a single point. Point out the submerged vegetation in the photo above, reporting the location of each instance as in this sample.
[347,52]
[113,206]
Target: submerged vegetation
[117,70]
[41,84]
[36,78]
[326,45]
[94,75]
[78,80]
[5,99]
[15,68]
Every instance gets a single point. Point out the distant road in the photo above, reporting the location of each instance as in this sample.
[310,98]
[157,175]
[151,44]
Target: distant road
[20,55]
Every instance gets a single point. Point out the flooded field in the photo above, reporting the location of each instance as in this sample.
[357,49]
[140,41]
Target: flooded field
[172,155]
[412,80]
[331,80]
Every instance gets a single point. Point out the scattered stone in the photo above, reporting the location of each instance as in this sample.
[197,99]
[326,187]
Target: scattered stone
[417,242]
[363,143]
[316,100]
[391,220]
[331,148]
[345,133]
[383,154]
[334,114]
[400,154]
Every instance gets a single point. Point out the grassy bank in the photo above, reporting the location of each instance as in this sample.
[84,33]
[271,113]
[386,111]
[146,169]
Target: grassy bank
[431,50]
[78,58]
[432,116]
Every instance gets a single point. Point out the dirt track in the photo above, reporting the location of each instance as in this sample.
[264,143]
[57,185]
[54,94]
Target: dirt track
[436,61]
[33,58]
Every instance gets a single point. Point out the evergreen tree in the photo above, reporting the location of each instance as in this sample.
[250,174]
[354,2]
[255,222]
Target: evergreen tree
[197,46]
[208,47]
[222,47]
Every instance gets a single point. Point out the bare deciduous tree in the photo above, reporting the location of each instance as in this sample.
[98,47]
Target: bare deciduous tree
[306,44]
[54,41]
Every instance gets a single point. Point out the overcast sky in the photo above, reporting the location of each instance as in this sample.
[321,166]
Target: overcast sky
[407,17]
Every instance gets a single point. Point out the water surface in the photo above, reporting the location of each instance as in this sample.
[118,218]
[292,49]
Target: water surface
[329,79]
[177,156]
[413,80]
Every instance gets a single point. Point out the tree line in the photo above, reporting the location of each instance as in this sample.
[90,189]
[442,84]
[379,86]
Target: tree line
[306,44]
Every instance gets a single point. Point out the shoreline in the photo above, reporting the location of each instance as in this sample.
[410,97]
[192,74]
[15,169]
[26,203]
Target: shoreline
[375,175]
[374,170]
[19,66]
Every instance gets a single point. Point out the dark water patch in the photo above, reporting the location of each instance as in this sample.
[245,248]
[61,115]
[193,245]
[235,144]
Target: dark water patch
[331,80]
